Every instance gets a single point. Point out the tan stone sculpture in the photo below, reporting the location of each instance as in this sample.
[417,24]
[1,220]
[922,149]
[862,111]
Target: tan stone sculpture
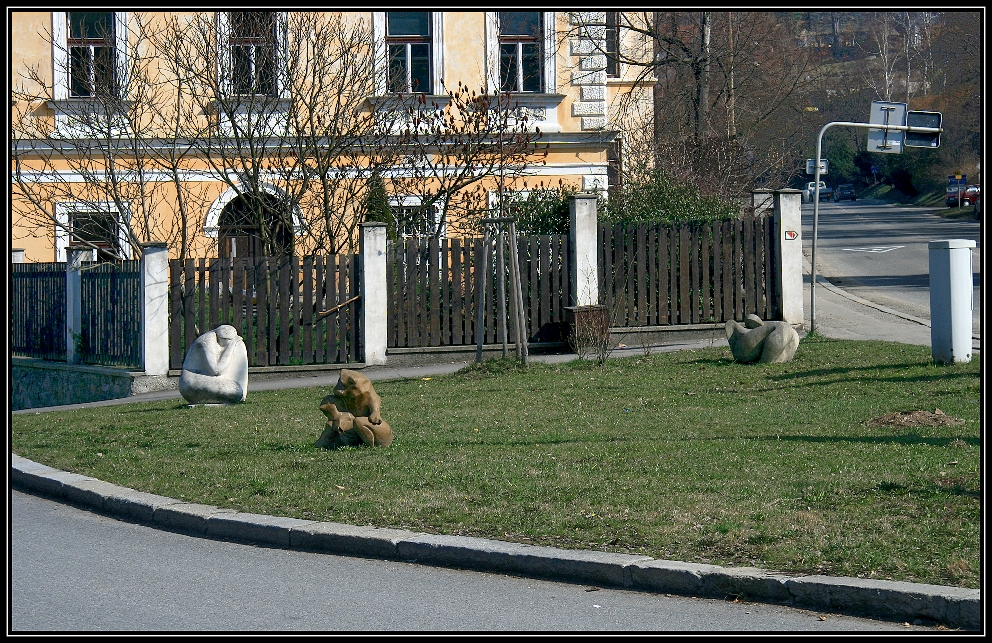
[354,414]
[215,370]
[760,341]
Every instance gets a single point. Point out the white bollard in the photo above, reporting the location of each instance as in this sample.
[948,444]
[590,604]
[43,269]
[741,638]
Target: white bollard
[373,258]
[951,300]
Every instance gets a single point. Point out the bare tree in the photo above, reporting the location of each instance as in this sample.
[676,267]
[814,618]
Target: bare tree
[456,149]
[747,64]
[95,148]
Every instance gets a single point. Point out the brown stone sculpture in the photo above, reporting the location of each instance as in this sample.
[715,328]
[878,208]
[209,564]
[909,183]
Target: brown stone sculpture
[354,416]
[760,341]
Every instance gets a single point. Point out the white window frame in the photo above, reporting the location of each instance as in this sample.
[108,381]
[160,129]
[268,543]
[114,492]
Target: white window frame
[224,71]
[549,76]
[409,201]
[65,209]
[382,52]
[60,54]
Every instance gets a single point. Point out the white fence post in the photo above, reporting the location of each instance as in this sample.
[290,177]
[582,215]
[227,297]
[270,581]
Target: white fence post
[372,248]
[155,307]
[789,269]
[17,255]
[582,236]
[75,256]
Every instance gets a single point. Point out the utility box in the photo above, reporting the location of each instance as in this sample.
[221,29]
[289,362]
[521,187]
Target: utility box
[951,300]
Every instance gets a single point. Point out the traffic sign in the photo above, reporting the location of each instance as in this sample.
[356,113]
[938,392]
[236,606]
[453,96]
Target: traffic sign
[886,113]
[923,139]
[958,179]
[811,167]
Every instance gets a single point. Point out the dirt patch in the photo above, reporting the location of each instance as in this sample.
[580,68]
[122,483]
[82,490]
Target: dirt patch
[913,419]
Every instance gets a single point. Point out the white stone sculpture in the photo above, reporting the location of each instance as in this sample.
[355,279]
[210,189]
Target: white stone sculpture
[760,341]
[215,370]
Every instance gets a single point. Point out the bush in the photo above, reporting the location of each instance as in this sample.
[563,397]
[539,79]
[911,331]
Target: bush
[661,199]
[543,211]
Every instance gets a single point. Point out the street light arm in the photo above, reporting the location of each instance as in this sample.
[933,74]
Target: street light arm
[816,194]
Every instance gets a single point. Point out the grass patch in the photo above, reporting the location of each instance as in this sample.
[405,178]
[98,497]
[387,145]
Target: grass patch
[686,456]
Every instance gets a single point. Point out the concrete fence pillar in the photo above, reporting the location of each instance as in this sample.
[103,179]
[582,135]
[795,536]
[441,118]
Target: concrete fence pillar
[762,199]
[582,236]
[75,256]
[789,268]
[372,248]
[17,255]
[155,308]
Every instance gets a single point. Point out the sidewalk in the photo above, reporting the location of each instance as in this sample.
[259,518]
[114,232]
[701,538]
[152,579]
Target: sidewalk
[839,315]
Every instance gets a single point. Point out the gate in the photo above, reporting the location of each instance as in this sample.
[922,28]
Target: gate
[110,304]
[433,293]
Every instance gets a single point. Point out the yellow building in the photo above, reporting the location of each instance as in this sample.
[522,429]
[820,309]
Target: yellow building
[236,133]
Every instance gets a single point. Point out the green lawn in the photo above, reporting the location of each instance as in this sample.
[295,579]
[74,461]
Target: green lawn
[686,456]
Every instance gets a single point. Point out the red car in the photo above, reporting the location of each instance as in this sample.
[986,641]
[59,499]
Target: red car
[969,195]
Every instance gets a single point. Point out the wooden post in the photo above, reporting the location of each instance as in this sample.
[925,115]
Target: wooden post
[520,320]
[480,301]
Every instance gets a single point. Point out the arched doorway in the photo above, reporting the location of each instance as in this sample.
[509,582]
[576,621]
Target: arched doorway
[254,226]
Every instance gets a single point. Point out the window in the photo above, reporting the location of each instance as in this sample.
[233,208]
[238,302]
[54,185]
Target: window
[612,44]
[409,51]
[252,39]
[411,219]
[91,48]
[614,168]
[95,229]
[91,224]
[408,40]
[520,51]
[89,53]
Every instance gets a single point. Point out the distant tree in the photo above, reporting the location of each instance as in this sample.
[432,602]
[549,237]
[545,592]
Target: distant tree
[727,93]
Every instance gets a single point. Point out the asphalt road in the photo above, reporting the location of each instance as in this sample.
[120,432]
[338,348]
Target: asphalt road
[73,570]
[880,252]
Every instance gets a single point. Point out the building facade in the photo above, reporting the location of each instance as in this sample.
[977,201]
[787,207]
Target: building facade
[234,133]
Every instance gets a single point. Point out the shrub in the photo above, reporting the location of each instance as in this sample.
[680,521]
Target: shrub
[661,199]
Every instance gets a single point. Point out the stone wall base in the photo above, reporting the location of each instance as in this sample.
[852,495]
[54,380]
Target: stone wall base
[38,383]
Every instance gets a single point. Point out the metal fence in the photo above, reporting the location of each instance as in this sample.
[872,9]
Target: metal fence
[37,310]
[110,298]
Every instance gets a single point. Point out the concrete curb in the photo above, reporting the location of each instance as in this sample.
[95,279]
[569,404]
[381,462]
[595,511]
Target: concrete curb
[888,600]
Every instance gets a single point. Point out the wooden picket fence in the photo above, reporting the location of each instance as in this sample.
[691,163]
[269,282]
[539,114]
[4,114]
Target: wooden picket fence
[37,310]
[433,288]
[655,275]
[275,303]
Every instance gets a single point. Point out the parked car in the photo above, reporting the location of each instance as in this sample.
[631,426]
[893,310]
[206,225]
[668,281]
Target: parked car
[826,192]
[969,195]
[845,191]
[810,189]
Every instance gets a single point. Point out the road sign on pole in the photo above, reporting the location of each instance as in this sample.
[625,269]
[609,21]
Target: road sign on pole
[923,119]
[811,167]
[885,140]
